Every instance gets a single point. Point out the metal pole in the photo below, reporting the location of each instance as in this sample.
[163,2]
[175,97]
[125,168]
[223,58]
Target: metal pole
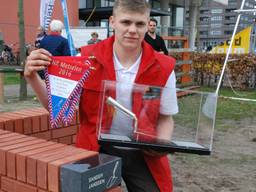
[229,49]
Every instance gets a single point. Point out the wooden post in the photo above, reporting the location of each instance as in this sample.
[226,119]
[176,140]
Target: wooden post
[23,84]
[186,68]
[1,88]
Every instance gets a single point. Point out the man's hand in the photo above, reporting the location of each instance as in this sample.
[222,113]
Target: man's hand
[37,60]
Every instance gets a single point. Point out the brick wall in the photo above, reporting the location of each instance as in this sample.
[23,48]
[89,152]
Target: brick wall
[35,122]
[31,152]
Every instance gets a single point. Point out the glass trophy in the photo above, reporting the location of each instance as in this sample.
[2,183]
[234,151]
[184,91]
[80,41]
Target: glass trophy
[151,117]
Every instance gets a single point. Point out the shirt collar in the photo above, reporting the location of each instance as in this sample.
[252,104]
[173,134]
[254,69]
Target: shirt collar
[132,69]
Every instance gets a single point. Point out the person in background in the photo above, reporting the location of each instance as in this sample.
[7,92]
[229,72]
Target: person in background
[41,34]
[153,39]
[126,58]
[174,44]
[94,38]
[54,42]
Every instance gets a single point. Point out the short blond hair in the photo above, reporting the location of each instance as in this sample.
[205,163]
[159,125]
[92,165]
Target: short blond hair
[139,6]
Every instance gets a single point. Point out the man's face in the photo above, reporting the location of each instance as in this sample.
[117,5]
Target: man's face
[130,28]
[152,27]
[94,37]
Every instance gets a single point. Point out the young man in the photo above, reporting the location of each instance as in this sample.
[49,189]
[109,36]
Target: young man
[125,58]
[153,39]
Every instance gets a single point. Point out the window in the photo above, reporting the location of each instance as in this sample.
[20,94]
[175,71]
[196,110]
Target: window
[204,12]
[204,19]
[229,10]
[228,32]
[216,11]
[215,32]
[203,32]
[216,25]
[230,17]
[216,18]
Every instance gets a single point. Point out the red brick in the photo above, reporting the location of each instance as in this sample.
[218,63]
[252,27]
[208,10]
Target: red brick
[66,140]
[73,139]
[2,132]
[47,135]
[40,190]
[10,185]
[8,121]
[35,119]
[22,187]
[27,122]
[16,121]
[3,150]
[35,124]
[62,132]
[31,163]
[40,113]
[42,164]
[10,137]
[21,159]
[44,122]
[1,124]
[7,184]
[5,133]
[11,156]
[54,168]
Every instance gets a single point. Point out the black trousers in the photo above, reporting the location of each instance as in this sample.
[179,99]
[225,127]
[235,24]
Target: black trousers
[135,172]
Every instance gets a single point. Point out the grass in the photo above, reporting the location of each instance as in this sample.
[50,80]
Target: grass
[234,109]
[227,109]
[11,78]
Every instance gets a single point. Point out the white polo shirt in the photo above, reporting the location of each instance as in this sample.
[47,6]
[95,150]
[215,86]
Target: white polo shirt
[125,77]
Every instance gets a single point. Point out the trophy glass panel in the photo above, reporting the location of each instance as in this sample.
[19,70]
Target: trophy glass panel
[134,115]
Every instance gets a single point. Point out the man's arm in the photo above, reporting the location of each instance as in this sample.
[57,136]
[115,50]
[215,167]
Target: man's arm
[164,133]
[163,47]
[37,60]
[165,127]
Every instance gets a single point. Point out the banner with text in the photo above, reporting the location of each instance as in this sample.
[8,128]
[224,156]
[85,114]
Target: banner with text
[64,79]
[241,44]
[46,10]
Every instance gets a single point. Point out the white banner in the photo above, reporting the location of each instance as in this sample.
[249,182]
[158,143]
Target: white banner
[46,9]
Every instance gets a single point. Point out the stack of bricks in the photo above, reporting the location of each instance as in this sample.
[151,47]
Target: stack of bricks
[35,122]
[30,157]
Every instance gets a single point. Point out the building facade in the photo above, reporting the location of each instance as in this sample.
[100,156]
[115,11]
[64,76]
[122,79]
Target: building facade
[169,13]
[82,13]
[216,22]
[9,23]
